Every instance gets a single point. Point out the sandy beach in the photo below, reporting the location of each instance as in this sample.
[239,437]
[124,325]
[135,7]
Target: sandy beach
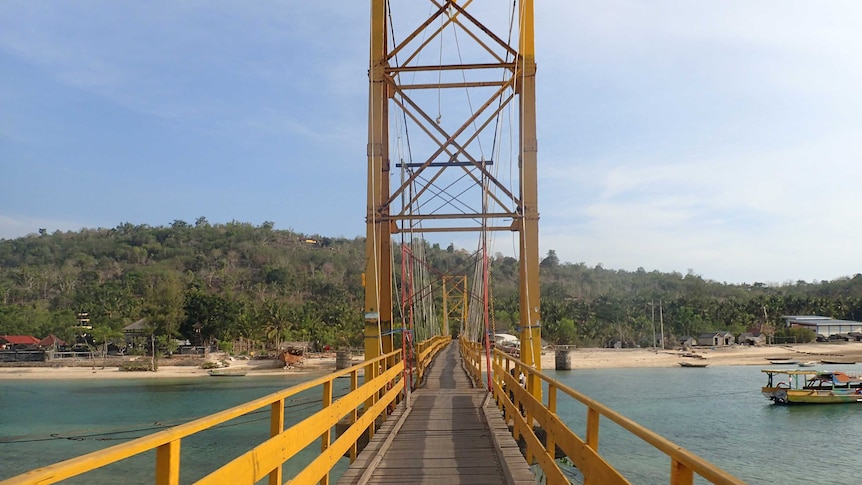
[83,370]
[587,358]
[712,356]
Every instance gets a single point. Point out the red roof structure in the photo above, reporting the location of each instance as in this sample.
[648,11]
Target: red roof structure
[19,340]
[51,340]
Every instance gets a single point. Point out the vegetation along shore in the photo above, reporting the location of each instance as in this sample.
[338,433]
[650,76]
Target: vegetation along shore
[215,283]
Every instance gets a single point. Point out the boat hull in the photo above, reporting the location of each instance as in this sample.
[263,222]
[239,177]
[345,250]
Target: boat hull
[783,395]
[835,396]
[226,373]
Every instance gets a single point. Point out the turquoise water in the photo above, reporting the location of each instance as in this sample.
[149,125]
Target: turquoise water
[46,421]
[717,413]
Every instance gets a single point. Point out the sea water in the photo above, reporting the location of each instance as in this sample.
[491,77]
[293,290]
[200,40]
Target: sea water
[46,421]
[717,413]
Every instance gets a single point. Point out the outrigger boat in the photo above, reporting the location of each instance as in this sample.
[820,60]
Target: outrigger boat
[811,387]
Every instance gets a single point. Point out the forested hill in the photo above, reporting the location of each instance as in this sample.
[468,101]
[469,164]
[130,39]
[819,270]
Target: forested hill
[237,279]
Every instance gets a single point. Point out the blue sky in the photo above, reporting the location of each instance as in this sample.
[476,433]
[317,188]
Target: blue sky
[723,138]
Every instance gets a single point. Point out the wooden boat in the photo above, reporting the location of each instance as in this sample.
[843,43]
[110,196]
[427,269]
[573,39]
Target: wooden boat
[838,361]
[692,364]
[227,372]
[811,387]
[784,362]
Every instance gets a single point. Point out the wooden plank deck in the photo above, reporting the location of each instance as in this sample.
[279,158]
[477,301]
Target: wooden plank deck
[452,434]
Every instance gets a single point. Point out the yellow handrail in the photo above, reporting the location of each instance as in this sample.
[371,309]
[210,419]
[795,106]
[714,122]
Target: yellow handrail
[427,350]
[265,459]
[383,388]
[521,408]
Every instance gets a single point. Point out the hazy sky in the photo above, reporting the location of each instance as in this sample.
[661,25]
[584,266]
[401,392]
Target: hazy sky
[723,138]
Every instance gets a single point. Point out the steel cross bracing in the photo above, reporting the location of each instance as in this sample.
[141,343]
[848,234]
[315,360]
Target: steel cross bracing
[446,94]
[449,179]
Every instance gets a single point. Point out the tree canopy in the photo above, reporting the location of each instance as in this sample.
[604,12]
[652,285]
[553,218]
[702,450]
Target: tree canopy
[201,281]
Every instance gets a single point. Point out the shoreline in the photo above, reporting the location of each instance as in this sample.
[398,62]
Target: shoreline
[254,368]
[735,355]
[581,358]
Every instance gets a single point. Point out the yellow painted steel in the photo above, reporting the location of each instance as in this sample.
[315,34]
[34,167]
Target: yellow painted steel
[583,452]
[282,445]
[385,389]
[426,351]
[454,302]
[378,233]
[530,333]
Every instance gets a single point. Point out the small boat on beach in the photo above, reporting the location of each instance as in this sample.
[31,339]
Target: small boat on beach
[692,364]
[811,387]
[810,363]
[783,362]
[227,372]
[838,361]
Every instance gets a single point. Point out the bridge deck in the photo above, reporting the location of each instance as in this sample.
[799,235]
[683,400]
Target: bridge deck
[450,435]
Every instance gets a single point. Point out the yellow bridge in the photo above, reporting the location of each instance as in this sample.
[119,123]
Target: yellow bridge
[448,431]
[456,427]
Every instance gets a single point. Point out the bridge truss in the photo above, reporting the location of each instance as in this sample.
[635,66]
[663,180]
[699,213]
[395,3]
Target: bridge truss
[451,146]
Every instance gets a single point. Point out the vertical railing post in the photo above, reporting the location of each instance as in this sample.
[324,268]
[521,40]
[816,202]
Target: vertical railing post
[354,415]
[550,445]
[276,426]
[168,463]
[326,437]
[680,474]
[593,417]
[370,374]
[593,429]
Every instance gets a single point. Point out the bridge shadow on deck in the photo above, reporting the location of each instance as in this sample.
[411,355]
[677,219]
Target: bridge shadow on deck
[445,438]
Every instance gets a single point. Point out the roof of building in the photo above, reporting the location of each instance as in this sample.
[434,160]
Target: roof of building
[51,340]
[506,337]
[137,326]
[722,333]
[751,335]
[821,321]
[20,339]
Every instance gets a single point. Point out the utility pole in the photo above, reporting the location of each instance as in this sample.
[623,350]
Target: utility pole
[652,308]
[661,322]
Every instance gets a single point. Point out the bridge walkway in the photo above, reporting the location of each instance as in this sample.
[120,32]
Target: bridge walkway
[451,434]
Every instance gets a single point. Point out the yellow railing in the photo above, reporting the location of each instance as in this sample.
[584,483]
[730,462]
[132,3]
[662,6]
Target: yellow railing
[382,390]
[524,410]
[266,459]
[426,351]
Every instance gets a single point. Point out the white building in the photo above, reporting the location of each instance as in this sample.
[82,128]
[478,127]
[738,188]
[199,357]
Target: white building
[824,326]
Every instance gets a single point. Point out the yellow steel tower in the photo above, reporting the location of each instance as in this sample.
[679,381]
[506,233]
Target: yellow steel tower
[447,80]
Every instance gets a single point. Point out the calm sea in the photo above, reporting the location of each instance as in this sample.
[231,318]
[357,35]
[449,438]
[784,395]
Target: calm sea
[718,413]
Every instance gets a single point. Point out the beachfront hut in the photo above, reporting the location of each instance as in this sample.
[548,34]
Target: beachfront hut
[135,330]
[751,338]
[716,339]
[51,341]
[687,341]
[19,342]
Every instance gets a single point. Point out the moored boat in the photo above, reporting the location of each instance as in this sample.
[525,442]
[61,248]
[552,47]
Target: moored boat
[783,362]
[692,364]
[227,372]
[811,387]
[810,363]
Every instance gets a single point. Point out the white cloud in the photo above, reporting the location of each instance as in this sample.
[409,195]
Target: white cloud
[718,136]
